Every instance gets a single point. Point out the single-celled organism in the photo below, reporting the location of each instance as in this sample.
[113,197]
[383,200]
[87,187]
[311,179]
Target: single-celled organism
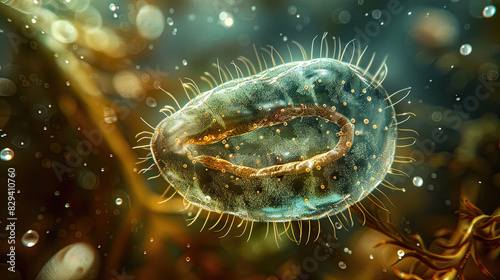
[298,141]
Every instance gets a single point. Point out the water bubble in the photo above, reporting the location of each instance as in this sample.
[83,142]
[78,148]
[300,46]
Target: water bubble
[174,32]
[434,175]
[63,31]
[338,225]
[465,49]
[66,205]
[191,17]
[150,22]
[418,181]
[30,238]
[188,259]
[285,38]
[207,199]
[371,257]
[6,154]
[254,8]
[342,265]
[184,62]
[489,11]
[112,7]
[119,201]
[292,10]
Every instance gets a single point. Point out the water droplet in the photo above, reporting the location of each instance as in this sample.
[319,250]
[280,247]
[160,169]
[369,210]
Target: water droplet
[285,38]
[434,175]
[66,205]
[342,265]
[346,250]
[188,259]
[119,201]
[489,11]
[6,154]
[188,245]
[184,62]
[112,7]
[254,8]
[30,238]
[151,239]
[292,10]
[418,181]
[338,225]
[57,193]
[207,199]
[371,257]
[465,49]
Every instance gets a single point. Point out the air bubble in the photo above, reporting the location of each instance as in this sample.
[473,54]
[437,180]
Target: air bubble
[30,238]
[401,253]
[119,201]
[344,16]
[184,62]
[489,11]
[342,265]
[6,154]
[170,21]
[465,49]
[150,22]
[376,14]
[151,102]
[418,181]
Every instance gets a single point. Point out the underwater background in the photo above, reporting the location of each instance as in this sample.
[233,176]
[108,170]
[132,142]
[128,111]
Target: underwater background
[77,76]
